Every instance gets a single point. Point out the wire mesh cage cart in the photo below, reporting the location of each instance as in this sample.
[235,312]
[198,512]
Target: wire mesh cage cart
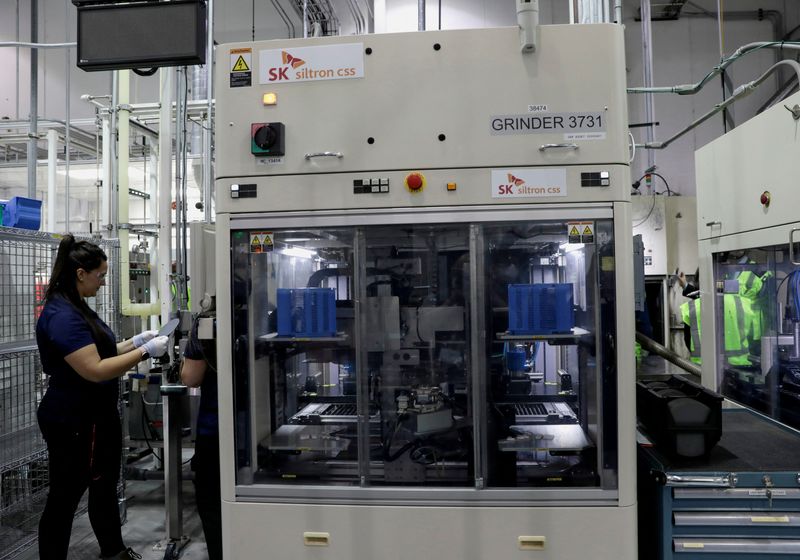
[26,259]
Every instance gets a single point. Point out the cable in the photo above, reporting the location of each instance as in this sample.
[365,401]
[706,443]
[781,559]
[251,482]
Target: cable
[145,73]
[638,182]
[669,192]
[649,213]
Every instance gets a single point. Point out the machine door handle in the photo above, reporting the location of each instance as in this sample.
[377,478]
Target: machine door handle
[339,155]
[791,246]
[724,481]
[544,147]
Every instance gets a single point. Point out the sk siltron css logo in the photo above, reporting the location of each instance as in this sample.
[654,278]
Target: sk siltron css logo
[512,182]
[278,74]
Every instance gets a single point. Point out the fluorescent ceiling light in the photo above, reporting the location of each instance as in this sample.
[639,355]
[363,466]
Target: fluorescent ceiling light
[569,247]
[299,252]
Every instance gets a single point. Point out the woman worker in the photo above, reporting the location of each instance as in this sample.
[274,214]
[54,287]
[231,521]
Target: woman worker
[78,414]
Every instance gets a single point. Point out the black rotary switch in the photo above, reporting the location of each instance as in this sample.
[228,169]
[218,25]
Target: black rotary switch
[265,137]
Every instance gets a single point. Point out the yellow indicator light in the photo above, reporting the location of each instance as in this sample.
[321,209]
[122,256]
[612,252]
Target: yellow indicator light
[270,99]
[451,186]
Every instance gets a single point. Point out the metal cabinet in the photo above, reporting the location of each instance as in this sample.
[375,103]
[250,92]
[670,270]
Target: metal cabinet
[741,501]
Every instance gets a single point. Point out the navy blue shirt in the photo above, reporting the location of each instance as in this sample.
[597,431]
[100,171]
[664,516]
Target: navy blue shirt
[208,411]
[60,331]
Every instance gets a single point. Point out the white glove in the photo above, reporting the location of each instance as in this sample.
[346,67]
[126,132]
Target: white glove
[156,347]
[142,337]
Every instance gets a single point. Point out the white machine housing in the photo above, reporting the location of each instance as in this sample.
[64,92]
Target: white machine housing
[759,157]
[429,102]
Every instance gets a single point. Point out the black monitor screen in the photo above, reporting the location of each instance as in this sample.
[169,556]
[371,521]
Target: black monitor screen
[143,35]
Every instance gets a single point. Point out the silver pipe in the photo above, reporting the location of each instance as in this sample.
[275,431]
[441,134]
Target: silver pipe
[16,37]
[33,128]
[691,89]
[113,156]
[654,347]
[618,11]
[796,339]
[420,15]
[647,67]
[719,29]
[67,71]
[305,19]
[34,45]
[370,19]
[285,17]
[208,168]
[355,16]
[742,91]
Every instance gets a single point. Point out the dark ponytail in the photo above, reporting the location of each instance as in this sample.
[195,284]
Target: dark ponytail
[71,256]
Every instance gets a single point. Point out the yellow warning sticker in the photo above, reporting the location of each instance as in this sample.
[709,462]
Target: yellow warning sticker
[580,232]
[261,241]
[769,519]
[240,65]
[693,545]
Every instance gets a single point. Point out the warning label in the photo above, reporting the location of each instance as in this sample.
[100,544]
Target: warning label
[240,65]
[261,242]
[580,232]
[241,74]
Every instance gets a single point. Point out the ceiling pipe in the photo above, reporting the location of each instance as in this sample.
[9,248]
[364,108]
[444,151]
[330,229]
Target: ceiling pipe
[691,89]
[742,91]
[33,127]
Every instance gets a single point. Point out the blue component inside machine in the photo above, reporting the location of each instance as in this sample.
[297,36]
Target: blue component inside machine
[540,309]
[308,312]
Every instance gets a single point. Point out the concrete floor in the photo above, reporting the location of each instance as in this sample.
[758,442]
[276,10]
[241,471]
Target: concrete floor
[145,526]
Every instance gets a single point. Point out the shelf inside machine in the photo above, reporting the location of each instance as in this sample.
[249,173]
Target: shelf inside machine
[274,337]
[554,339]
[557,439]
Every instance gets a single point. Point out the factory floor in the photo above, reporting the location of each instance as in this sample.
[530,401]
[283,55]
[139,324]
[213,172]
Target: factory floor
[146,525]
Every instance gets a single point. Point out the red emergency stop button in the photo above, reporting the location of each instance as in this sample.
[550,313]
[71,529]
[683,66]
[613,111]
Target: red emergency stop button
[415,182]
[766,199]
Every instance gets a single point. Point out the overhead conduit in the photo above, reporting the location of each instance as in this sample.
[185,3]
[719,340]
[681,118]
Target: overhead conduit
[128,308]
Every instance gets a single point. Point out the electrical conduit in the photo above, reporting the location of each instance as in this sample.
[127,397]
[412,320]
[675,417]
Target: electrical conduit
[123,131]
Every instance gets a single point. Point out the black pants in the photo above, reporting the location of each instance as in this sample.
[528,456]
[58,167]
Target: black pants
[205,465]
[81,455]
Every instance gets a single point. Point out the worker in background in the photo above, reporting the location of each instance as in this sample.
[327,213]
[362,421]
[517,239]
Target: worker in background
[744,318]
[199,369]
[690,314]
[78,414]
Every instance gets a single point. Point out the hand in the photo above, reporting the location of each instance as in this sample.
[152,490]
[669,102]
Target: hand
[142,337]
[682,280]
[156,347]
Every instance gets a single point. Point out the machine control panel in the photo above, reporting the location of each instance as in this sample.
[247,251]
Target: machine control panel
[596,179]
[267,139]
[371,185]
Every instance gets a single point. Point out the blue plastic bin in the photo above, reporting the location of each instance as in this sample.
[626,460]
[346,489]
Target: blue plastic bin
[21,212]
[306,312]
[2,210]
[540,309]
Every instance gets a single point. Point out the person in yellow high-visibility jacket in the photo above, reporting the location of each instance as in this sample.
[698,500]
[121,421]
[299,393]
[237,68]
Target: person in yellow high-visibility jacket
[690,313]
[742,321]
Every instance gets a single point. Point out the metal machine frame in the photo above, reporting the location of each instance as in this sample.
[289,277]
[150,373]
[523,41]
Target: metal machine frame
[334,142]
[747,201]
